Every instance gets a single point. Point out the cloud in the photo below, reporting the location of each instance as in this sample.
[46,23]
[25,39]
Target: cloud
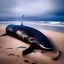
[30,7]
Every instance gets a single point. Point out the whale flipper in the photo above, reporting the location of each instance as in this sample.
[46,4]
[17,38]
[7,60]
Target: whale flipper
[28,50]
[3,34]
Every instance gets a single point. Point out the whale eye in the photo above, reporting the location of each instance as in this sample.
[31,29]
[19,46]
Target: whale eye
[31,39]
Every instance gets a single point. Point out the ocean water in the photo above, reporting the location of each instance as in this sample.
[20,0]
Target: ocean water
[34,22]
[57,26]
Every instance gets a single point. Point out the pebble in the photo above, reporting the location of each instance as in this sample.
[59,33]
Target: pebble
[42,51]
[18,56]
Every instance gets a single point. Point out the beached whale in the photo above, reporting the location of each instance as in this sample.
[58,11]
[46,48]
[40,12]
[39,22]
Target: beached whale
[34,37]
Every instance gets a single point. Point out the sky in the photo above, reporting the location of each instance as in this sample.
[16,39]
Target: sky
[33,9]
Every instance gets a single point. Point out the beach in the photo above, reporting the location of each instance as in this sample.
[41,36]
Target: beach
[11,49]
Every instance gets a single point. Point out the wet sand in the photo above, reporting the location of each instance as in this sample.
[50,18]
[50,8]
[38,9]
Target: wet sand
[11,50]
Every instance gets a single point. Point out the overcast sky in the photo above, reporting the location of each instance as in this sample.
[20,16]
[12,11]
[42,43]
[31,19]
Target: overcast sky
[31,8]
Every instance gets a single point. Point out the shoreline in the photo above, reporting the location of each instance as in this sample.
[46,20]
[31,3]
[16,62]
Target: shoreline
[50,27]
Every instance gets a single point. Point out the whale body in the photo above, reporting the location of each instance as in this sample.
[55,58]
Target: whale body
[32,36]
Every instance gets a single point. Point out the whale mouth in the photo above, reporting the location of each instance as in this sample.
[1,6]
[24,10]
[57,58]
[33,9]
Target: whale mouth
[46,48]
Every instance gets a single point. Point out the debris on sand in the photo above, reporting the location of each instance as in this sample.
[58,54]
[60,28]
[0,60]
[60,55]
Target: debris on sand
[11,55]
[26,61]
[9,48]
[21,47]
[42,51]
[57,55]
[0,47]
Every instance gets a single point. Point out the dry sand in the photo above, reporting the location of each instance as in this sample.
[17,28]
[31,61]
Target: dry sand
[10,54]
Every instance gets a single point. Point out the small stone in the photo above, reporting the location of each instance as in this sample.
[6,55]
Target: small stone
[42,51]
[18,56]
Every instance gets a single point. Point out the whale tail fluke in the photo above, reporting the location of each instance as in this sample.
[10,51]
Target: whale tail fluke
[3,35]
